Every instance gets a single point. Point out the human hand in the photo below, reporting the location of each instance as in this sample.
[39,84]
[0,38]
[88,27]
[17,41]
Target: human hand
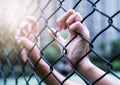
[78,46]
[26,35]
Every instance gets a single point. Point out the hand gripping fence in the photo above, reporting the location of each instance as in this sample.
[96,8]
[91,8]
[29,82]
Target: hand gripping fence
[102,18]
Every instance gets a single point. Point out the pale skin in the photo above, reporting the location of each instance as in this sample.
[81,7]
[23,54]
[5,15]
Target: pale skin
[75,50]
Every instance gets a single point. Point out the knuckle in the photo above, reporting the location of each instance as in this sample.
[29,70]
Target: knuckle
[77,24]
[68,22]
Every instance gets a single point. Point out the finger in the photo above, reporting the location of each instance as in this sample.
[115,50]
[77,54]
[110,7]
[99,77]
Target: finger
[78,27]
[61,22]
[33,23]
[30,47]
[18,32]
[78,17]
[24,28]
[73,18]
[23,41]
[24,54]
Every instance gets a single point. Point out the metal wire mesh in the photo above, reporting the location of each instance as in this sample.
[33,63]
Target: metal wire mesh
[12,67]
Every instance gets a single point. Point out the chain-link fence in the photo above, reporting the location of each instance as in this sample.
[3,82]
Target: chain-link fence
[101,18]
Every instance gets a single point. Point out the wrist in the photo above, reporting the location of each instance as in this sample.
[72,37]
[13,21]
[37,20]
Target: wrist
[85,65]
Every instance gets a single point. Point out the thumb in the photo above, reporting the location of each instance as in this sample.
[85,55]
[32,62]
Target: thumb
[59,39]
[34,23]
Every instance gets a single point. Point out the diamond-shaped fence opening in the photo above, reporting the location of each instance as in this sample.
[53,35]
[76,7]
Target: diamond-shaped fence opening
[18,67]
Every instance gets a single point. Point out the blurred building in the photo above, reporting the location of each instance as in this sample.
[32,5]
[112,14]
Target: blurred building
[47,11]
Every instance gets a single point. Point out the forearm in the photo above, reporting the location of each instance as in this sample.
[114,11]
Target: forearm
[41,67]
[92,73]
[43,70]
